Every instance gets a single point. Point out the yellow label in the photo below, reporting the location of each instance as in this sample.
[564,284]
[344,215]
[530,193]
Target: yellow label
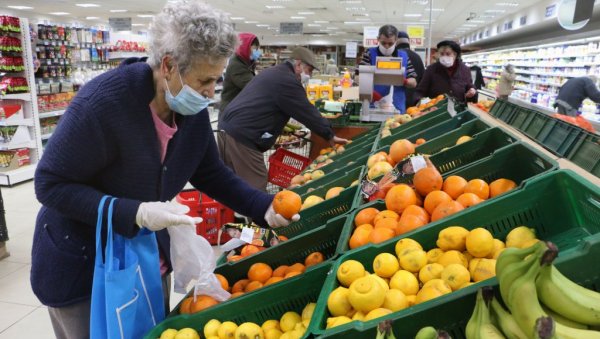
[415,31]
[389,64]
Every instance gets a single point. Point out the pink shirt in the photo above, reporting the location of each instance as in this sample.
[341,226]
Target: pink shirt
[165,133]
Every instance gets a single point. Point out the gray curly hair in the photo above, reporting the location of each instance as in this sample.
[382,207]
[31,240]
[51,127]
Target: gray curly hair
[189,31]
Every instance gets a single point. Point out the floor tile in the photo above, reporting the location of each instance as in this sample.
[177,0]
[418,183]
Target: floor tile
[19,247]
[7,267]
[35,325]
[12,313]
[15,288]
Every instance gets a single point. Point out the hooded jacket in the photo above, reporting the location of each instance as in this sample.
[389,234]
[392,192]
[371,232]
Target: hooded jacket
[239,72]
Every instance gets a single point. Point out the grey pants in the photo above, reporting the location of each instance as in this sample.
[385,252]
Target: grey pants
[247,163]
[565,108]
[73,321]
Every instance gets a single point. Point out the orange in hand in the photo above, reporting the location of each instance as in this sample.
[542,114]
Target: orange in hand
[287,203]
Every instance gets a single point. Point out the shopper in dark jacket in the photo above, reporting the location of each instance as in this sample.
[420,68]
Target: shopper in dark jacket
[112,140]
[240,69]
[449,75]
[256,117]
[477,77]
[403,43]
[574,91]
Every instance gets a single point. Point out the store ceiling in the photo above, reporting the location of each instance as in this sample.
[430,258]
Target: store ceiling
[325,21]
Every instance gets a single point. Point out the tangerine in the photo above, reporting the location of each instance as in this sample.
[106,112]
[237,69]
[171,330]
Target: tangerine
[260,272]
[385,214]
[359,238]
[408,223]
[235,295]
[248,250]
[273,280]
[287,203]
[202,302]
[454,186]
[390,223]
[292,274]
[297,267]
[420,141]
[445,209]
[400,149]
[433,199]
[253,285]
[280,271]
[239,286]
[469,199]
[501,186]
[416,211]
[314,258]
[381,234]
[234,258]
[399,197]
[427,180]
[365,216]
[223,281]
[478,187]
[184,307]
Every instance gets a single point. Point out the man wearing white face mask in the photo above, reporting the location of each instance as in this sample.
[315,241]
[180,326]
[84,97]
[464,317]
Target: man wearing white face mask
[387,38]
[256,117]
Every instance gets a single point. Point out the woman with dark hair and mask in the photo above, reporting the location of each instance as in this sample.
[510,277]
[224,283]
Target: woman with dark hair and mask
[449,75]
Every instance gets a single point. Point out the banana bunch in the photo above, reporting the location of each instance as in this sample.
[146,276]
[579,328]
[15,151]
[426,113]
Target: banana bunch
[542,303]
[430,332]
[385,331]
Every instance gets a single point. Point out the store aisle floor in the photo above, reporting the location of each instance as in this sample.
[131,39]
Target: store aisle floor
[21,313]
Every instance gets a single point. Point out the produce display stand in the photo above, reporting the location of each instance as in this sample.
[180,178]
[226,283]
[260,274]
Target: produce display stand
[561,206]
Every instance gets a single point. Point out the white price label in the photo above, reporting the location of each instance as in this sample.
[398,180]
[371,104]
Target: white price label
[247,234]
[418,163]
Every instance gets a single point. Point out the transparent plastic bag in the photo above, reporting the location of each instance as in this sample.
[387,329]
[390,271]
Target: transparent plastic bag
[194,261]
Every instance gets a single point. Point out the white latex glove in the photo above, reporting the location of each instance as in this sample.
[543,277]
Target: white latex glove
[158,215]
[277,220]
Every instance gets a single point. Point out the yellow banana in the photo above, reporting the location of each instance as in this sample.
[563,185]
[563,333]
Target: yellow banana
[506,322]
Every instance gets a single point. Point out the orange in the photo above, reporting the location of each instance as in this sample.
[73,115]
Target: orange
[420,141]
[365,216]
[435,198]
[280,271]
[239,286]
[440,97]
[314,258]
[368,227]
[184,308]
[249,250]
[292,274]
[359,238]
[234,258]
[282,238]
[412,110]
[419,199]
[297,267]
[454,186]
[385,214]
[416,211]
[501,186]
[381,234]
[478,187]
[408,223]
[236,294]
[287,203]
[223,281]
[273,280]
[445,209]
[260,272]
[399,197]
[387,222]
[427,180]
[253,285]
[469,199]
[400,149]
[202,302]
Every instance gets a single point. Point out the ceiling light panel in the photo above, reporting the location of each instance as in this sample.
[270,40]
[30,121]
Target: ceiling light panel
[145,16]
[351,1]
[507,4]
[306,13]
[91,18]
[262,25]
[118,10]
[495,10]
[356,9]
[20,7]
[87,5]
[412,15]
[314,25]
[435,9]
[237,18]
[250,22]
[321,22]
[297,17]
[274,6]
[59,13]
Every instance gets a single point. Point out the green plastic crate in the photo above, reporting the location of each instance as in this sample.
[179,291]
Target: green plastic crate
[536,124]
[320,186]
[265,304]
[586,152]
[520,117]
[447,140]
[504,110]
[347,162]
[561,206]
[559,136]
[415,126]
[342,159]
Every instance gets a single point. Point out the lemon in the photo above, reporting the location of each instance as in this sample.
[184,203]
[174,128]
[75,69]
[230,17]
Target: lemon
[187,333]
[463,139]
[433,255]
[211,328]
[452,238]
[300,328]
[485,269]
[308,311]
[430,271]
[413,260]
[273,333]
[358,316]
[289,320]
[395,300]
[168,334]
[480,242]
[366,294]
[269,324]
[249,330]
[337,302]
[336,321]
[385,265]
[227,330]
[412,299]
[452,257]
[432,289]
[405,243]
[213,337]
[455,276]
[406,282]
[497,249]
[349,271]
[296,334]
[472,265]
[376,313]
[385,285]
[519,235]
[468,256]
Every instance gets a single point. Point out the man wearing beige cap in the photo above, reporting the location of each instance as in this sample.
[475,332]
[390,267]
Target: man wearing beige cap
[252,122]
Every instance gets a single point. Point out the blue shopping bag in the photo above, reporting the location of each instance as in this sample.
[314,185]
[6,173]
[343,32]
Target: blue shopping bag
[127,298]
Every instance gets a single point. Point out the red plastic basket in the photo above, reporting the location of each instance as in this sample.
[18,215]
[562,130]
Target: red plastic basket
[284,165]
[214,214]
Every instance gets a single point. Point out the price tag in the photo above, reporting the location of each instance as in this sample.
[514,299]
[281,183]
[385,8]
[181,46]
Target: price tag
[451,108]
[247,235]
[418,163]
[46,43]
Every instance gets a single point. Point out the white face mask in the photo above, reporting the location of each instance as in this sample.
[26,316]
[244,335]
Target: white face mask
[304,78]
[447,60]
[387,51]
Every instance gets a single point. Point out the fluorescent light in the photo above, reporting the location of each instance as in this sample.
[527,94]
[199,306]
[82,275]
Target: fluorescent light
[145,16]
[487,16]
[314,25]
[87,5]
[59,13]
[469,25]
[477,21]
[262,25]
[353,23]
[413,15]
[351,1]
[507,4]
[250,22]
[137,25]
[19,7]
[324,30]
[237,18]
[91,17]
[297,17]
[306,13]
[435,9]
[274,6]
[321,22]
[118,10]
[495,10]
[357,9]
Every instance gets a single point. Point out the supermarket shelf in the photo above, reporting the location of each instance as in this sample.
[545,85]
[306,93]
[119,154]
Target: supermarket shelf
[125,55]
[538,82]
[552,74]
[487,92]
[9,146]
[19,96]
[46,136]
[18,175]
[491,76]
[52,114]
[533,90]
[20,122]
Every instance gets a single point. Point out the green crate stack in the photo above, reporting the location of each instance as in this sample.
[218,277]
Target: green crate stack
[447,140]
[504,110]
[416,125]
[264,304]
[586,152]
[347,162]
[561,206]
[340,160]
[320,186]
[559,136]
[536,124]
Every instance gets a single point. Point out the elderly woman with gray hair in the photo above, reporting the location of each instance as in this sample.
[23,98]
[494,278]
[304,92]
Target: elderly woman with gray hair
[138,133]
[505,84]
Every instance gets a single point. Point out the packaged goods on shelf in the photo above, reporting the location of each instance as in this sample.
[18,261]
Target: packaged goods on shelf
[14,159]
[10,44]
[10,85]
[10,24]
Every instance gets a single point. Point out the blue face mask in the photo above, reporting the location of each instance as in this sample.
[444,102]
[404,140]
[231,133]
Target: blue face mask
[187,101]
[256,53]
